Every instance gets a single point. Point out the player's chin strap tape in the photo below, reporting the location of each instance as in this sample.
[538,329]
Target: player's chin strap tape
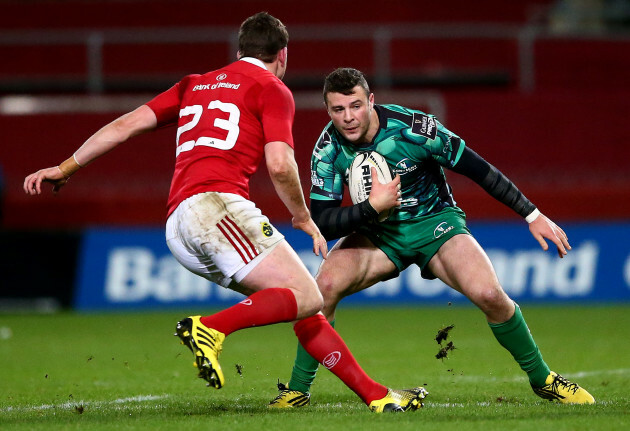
[335,221]
[493,181]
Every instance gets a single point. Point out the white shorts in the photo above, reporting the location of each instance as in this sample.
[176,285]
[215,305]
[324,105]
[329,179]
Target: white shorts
[220,236]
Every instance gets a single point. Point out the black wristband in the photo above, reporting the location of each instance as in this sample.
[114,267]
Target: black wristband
[335,221]
[367,210]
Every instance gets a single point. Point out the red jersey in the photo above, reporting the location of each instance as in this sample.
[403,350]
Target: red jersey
[224,120]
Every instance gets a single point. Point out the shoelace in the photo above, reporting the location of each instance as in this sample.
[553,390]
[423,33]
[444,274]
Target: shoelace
[561,381]
[283,390]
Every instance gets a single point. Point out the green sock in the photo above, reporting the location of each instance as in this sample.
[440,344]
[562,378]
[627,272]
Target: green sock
[304,369]
[514,335]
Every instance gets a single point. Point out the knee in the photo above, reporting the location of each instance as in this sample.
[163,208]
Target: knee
[310,302]
[328,289]
[331,294]
[492,300]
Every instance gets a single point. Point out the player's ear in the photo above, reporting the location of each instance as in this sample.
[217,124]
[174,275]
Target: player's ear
[282,56]
[371,100]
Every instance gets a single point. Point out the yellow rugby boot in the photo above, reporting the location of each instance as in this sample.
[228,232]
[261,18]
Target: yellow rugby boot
[206,344]
[560,389]
[288,398]
[399,400]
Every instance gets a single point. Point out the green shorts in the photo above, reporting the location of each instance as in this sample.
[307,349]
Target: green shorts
[417,241]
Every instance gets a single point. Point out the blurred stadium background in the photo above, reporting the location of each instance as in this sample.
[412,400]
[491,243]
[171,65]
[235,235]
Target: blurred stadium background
[540,88]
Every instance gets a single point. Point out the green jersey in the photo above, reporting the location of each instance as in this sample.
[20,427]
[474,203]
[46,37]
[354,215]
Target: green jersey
[416,147]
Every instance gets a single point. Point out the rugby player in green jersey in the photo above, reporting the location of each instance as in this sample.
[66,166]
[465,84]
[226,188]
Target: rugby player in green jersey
[427,229]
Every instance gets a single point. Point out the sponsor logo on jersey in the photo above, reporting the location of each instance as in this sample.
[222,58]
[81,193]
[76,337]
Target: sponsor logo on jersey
[221,76]
[403,168]
[266,228]
[323,141]
[442,229]
[315,180]
[246,301]
[424,125]
[331,359]
[228,85]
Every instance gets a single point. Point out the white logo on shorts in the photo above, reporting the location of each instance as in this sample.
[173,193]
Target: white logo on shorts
[246,301]
[331,359]
[441,229]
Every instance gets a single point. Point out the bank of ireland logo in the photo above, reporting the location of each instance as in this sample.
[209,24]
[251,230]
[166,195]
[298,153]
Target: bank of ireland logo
[246,301]
[267,230]
[441,229]
[331,359]
[221,76]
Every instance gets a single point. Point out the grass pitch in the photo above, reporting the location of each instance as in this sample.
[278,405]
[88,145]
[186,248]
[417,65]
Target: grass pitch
[126,371]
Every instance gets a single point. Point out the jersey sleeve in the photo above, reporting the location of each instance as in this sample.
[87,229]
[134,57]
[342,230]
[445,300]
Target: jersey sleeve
[326,181]
[278,111]
[444,146]
[447,147]
[166,105]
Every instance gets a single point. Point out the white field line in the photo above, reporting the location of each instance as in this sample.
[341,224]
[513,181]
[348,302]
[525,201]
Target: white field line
[522,377]
[72,404]
[145,398]
[480,379]
[429,404]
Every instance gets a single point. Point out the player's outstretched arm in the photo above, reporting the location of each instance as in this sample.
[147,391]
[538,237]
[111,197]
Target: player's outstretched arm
[543,228]
[283,171]
[504,190]
[106,139]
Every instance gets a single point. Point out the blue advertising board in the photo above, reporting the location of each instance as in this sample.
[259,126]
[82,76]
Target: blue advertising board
[133,269]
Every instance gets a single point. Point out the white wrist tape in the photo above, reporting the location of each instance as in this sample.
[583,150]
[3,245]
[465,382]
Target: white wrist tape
[532,216]
[74,156]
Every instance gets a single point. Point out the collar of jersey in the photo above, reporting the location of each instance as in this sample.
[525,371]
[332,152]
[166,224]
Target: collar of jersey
[254,61]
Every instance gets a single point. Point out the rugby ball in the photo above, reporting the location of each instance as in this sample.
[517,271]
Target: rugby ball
[360,178]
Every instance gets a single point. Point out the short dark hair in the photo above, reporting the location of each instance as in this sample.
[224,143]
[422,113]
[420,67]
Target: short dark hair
[343,80]
[261,36]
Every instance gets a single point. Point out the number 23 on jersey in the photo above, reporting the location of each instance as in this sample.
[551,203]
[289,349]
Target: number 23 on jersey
[197,111]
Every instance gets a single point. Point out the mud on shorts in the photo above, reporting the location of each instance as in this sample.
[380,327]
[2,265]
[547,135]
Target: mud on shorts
[220,236]
[416,241]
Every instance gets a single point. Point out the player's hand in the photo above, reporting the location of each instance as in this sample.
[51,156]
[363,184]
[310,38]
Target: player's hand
[33,182]
[384,196]
[309,226]
[542,228]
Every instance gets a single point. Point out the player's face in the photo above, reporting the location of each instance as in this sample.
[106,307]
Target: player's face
[352,114]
